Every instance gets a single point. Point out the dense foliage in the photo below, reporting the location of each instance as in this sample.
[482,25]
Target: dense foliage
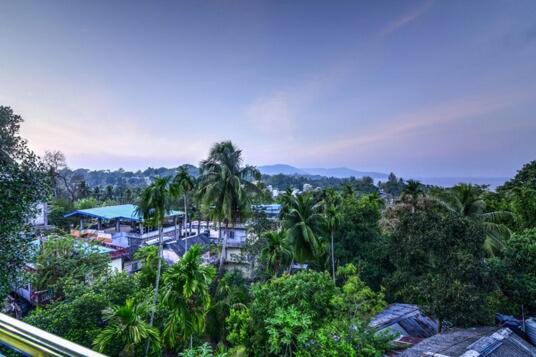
[22,185]
[462,254]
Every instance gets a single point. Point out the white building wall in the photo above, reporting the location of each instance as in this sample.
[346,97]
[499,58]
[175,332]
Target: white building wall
[116,265]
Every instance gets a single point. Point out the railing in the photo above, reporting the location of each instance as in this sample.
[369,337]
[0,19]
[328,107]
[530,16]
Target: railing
[25,339]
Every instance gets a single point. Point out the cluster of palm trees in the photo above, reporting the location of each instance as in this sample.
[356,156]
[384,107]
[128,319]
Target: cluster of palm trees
[223,192]
[185,297]
[466,200]
[309,225]
[306,224]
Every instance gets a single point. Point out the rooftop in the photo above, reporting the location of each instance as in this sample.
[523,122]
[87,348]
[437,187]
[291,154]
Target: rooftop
[405,320]
[126,212]
[477,341]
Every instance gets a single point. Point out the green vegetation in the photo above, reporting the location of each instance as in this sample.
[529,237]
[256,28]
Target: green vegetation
[23,183]
[462,254]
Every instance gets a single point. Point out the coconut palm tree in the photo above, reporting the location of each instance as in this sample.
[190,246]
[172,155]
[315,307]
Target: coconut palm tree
[277,251]
[183,183]
[153,206]
[330,205]
[186,295]
[304,223]
[227,185]
[127,329]
[467,200]
[411,194]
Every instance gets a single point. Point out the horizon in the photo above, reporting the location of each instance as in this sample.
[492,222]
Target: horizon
[419,88]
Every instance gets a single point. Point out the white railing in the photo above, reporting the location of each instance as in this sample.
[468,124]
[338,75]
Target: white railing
[21,337]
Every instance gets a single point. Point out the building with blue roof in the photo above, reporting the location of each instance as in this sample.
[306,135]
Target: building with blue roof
[122,225]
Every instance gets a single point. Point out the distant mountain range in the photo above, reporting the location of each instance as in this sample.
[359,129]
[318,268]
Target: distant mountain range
[344,172]
[339,172]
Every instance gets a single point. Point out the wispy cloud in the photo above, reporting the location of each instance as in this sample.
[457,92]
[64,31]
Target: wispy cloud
[408,127]
[406,18]
[272,114]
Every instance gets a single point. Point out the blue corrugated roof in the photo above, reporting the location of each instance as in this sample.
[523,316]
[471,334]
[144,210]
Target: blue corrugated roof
[125,212]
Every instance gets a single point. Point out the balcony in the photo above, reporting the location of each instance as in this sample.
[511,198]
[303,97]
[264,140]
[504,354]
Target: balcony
[19,338]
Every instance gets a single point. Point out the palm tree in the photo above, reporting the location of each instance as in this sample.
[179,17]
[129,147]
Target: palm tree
[467,201]
[277,251]
[126,328]
[412,193]
[330,204]
[304,223]
[227,185]
[187,297]
[285,199]
[153,206]
[348,190]
[183,183]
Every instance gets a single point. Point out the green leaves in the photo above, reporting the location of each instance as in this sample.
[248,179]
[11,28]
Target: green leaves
[23,183]
[185,294]
[126,329]
[304,223]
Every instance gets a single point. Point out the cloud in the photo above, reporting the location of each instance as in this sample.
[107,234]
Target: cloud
[102,142]
[272,114]
[406,18]
[407,128]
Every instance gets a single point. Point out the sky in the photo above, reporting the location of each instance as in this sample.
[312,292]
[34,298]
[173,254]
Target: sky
[421,88]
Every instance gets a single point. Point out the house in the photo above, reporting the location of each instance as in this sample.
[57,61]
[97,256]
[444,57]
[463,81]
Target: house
[271,211]
[26,289]
[173,251]
[405,321]
[122,225]
[473,342]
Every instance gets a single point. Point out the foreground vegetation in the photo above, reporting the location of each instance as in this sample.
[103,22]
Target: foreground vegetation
[462,254]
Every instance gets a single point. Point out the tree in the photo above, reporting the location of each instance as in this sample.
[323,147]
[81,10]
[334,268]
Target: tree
[332,216]
[227,185]
[301,315]
[23,183]
[126,330]
[186,296]
[149,255]
[276,252]
[303,223]
[183,183]
[61,176]
[78,317]
[412,193]
[359,240]
[516,272]
[439,264]
[153,206]
[63,259]
[230,293]
[467,200]
[526,177]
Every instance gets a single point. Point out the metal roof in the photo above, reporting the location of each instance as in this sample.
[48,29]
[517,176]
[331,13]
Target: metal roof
[126,212]
[480,341]
[405,319]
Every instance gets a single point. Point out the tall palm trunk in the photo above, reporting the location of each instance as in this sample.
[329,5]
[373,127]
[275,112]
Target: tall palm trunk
[157,282]
[223,248]
[332,256]
[185,210]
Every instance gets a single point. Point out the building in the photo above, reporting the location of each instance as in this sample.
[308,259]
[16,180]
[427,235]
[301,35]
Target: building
[26,290]
[122,225]
[473,342]
[405,321]
[271,211]
[173,251]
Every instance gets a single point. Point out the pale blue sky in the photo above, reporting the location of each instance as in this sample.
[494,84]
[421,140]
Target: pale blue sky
[422,88]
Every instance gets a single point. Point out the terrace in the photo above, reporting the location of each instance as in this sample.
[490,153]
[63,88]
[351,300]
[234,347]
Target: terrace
[120,224]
